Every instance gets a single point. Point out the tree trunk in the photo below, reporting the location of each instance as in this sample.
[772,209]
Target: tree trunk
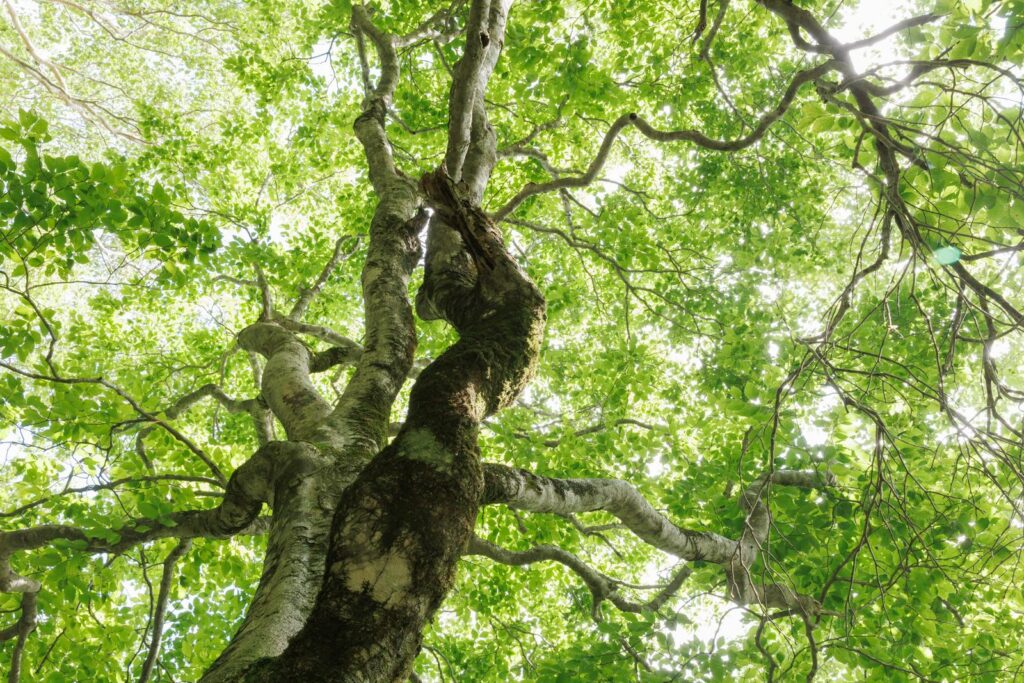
[402,526]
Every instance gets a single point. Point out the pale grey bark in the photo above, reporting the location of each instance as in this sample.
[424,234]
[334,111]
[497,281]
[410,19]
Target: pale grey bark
[323,333]
[353,430]
[482,154]
[481,150]
[469,277]
[286,386]
[332,357]
[303,500]
[364,409]
[521,490]
[467,83]
[744,587]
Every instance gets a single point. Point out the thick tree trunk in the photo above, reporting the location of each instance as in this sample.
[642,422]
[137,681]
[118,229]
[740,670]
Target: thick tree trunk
[402,526]
[292,568]
[402,521]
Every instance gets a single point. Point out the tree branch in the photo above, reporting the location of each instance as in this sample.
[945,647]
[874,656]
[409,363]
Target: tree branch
[481,153]
[369,126]
[467,81]
[601,586]
[161,607]
[384,44]
[250,486]
[430,28]
[133,403]
[20,630]
[56,84]
[256,408]
[522,490]
[363,410]
[798,19]
[308,294]
[106,487]
[323,333]
[696,137]
[286,386]
[754,501]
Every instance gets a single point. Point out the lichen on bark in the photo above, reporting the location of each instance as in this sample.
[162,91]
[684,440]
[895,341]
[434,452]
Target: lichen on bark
[395,545]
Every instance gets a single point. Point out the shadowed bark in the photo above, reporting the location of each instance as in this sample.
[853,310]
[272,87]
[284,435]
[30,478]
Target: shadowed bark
[394,547]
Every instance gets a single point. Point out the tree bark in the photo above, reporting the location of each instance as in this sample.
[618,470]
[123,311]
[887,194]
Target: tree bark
[403,524]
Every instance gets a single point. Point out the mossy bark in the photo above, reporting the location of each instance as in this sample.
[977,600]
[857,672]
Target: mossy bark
[401,527]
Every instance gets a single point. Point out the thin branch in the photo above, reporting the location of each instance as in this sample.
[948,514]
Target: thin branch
[107,486]
[601,586]
[133,403]
[160,610]
[266,298]
[694,136]
[55,83]
[307,294]
[320,332]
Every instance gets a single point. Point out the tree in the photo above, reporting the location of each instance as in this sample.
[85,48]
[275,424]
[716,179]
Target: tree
[688,309]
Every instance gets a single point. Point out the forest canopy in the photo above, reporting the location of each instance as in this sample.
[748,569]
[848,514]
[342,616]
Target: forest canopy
[273,278]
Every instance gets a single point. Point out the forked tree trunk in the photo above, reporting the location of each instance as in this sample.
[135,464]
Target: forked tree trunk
[402,526]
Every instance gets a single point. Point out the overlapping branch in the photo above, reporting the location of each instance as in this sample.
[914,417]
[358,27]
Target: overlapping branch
[160,609]
[250,486]
[601,586]
[690,135]
[308,294]
[55,83]
[254,406]
[108,486]
[146,415]
[894,139]
[523,490]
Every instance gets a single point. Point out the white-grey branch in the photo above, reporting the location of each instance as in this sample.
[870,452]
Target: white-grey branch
[523,490]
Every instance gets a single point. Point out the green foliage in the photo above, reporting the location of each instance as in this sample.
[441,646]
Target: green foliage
[54,207]
[687,302]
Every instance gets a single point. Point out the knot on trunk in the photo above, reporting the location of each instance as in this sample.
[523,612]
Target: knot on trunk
[469,276]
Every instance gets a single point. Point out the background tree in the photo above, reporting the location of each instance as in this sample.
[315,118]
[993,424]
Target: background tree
[776,423]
